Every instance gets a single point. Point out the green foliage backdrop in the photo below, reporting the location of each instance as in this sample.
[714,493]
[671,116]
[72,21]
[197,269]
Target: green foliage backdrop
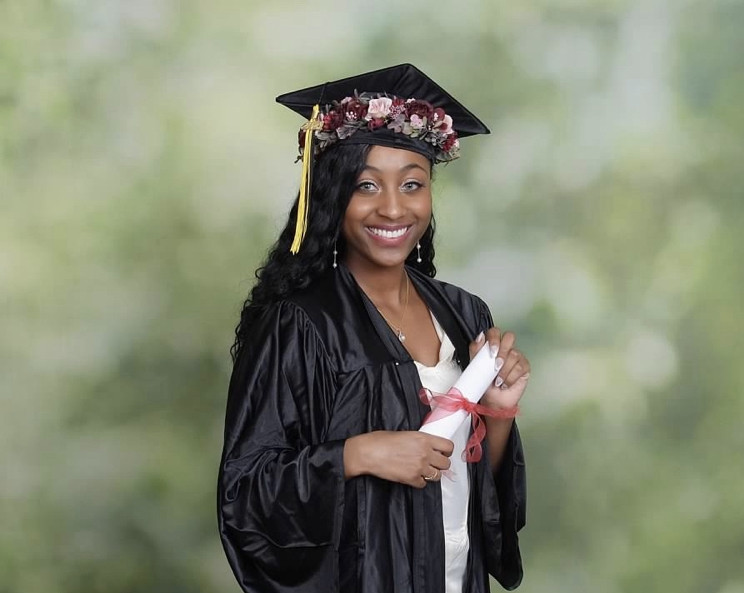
[144,170]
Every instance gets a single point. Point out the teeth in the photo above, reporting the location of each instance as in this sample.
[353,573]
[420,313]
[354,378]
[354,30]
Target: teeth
[388,234]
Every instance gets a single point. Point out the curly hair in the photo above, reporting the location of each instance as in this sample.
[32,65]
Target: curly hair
[283,273]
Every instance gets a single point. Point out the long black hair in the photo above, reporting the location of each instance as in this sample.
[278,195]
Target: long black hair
[334,178]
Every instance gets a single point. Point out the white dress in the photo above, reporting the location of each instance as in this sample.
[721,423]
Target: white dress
[455,484]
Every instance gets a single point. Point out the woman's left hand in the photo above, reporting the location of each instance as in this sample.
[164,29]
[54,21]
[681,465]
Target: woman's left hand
[514,369]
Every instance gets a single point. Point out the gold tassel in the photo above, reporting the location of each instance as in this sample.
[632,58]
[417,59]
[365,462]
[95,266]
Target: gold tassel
[304,201]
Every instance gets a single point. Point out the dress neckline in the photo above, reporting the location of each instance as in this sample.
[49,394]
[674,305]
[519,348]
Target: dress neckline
[446,347]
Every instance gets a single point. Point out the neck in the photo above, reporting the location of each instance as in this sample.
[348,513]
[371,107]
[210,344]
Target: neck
[386,287]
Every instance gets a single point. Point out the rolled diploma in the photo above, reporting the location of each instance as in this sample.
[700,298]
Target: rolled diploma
[473,383]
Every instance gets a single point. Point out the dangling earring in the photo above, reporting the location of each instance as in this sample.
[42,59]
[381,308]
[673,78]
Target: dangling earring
[335,253]
[418,251]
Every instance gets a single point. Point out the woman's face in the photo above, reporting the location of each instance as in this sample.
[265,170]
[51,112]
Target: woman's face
[389,210]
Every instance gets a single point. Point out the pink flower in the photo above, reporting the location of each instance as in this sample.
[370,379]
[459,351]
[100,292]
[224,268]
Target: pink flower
[446,126]
[375,123]
[416,122]
[379,108]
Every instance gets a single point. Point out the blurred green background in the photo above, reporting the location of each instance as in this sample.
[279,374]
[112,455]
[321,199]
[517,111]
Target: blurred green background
[145,169]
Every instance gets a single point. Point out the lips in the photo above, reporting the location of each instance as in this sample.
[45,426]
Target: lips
[388,233]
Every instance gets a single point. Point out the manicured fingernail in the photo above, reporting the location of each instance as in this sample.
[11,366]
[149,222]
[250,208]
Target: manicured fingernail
[498,364]
[498,382]
[481,336]
[494,350]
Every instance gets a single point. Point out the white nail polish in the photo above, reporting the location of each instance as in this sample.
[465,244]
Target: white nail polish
[499,362]
[494,350]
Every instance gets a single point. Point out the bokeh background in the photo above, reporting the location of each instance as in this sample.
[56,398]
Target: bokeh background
[145,169]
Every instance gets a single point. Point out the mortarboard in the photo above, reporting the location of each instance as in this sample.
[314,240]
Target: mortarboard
[399,106]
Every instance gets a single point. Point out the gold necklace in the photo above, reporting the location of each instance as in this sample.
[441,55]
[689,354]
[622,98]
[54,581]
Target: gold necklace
[398,330]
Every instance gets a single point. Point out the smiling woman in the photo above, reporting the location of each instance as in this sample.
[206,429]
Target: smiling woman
[326,484]
[389,210]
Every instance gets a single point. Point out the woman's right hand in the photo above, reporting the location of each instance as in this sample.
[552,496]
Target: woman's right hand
[399,456]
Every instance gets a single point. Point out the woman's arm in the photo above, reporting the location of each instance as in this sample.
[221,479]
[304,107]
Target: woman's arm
[399,456]
[281,486]
[501,488]
[507,389]
[497,436]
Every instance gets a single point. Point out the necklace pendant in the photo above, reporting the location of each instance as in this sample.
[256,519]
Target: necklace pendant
[401,336]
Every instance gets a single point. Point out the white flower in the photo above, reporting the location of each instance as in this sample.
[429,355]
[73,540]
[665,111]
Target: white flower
[378,108]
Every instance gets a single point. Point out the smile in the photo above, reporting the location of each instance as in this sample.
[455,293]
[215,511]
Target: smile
[388,233]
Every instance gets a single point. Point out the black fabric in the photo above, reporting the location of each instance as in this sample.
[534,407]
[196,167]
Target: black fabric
[391,139]
[404,81]
[321,367]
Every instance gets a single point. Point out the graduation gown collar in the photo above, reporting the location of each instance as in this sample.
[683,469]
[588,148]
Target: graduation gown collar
[431,292]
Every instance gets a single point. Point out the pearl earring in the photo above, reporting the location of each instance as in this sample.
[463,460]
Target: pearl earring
[335,253]
[418,251]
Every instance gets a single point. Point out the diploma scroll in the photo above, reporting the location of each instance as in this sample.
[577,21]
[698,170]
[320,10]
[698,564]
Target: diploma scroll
[472,384]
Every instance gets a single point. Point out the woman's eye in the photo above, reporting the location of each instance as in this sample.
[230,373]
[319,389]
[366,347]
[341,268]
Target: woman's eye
[366,186]
[412,185]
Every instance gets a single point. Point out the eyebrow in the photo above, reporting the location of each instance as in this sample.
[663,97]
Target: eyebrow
[407,167]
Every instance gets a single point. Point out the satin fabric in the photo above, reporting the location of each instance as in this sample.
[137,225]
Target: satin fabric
[321,367]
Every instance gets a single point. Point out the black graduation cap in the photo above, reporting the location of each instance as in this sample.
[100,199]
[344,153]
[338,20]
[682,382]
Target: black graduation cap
[404,81]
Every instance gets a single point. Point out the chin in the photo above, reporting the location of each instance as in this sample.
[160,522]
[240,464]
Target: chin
[390,262]
[378,260]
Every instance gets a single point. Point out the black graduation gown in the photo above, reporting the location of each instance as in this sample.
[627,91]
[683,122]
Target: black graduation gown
[320,367]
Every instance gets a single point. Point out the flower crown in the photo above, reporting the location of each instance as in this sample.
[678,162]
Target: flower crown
[411,117]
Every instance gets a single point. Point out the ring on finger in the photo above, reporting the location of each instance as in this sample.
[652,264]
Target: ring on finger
[433,476]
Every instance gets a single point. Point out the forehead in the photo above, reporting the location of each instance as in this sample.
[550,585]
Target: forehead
[394,159]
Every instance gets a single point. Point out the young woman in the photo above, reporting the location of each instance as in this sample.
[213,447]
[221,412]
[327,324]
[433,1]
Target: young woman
[326,484]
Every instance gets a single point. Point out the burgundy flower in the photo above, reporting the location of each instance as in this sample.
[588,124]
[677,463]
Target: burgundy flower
[355,110]
[421,108]
[375,123]
[438,114]
[398,107]
[332,120]
[449,142]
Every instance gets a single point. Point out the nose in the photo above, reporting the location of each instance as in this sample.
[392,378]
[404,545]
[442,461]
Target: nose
[390,204]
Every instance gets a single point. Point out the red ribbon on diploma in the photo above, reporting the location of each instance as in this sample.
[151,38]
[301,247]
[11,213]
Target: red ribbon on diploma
[446,404]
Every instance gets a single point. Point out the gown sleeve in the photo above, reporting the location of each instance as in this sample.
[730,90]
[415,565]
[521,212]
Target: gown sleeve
[281,485]
[504,499]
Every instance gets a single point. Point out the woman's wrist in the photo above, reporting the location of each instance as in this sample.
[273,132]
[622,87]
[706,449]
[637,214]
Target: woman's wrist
[502,413]
[354,458]
[503,409]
